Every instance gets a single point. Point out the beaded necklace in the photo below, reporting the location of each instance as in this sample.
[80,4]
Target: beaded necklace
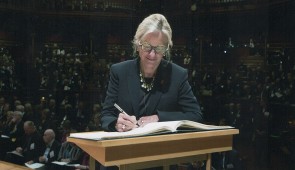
[144,84]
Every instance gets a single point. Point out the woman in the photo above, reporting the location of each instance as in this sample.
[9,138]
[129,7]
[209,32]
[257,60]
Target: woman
[149,88]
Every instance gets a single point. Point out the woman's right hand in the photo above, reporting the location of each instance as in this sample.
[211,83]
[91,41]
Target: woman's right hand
[126,123]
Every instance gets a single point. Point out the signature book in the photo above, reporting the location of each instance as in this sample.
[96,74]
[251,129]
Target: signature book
[154,128]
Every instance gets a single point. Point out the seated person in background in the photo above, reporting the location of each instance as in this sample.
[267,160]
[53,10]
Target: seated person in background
[227,160]
[94,124]
[51,151]
[66,130]
[84,163]
[5,120]
[29,146]
[4,114]
[70,154]
[85,156]
[12,128]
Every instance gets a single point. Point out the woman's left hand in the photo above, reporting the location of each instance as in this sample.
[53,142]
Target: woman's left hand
[147,119]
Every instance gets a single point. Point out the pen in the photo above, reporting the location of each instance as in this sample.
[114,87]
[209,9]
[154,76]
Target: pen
[120,109]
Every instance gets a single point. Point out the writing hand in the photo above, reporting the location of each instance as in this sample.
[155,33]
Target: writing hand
[147,119]
[126,123]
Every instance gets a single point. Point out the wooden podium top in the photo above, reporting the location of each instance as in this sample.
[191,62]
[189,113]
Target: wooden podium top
[150,148]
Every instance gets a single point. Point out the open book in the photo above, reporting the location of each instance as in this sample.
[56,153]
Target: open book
[150,129]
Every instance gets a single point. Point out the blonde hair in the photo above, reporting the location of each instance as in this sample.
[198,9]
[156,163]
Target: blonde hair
[152,23]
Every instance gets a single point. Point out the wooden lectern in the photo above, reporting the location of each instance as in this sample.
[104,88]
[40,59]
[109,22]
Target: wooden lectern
[158,150]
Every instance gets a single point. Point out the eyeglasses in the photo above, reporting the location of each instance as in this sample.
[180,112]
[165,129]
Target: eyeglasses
[146,47]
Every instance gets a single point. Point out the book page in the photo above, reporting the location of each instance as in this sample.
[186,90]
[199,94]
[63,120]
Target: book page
[90,135]
[35,165]
[200,126]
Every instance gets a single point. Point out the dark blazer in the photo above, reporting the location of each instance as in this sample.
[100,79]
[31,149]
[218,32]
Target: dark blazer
[32,148]
[52,154]
[171,98]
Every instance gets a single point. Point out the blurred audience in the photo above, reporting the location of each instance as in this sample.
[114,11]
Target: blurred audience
[67,74]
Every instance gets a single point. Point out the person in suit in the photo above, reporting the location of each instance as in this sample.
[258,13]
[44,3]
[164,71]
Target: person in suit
[149,88]
[14,130]
[69,153]
[51,151]
[28,147]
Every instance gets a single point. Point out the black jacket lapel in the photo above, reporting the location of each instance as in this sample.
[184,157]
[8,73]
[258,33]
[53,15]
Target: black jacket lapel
[134,86]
